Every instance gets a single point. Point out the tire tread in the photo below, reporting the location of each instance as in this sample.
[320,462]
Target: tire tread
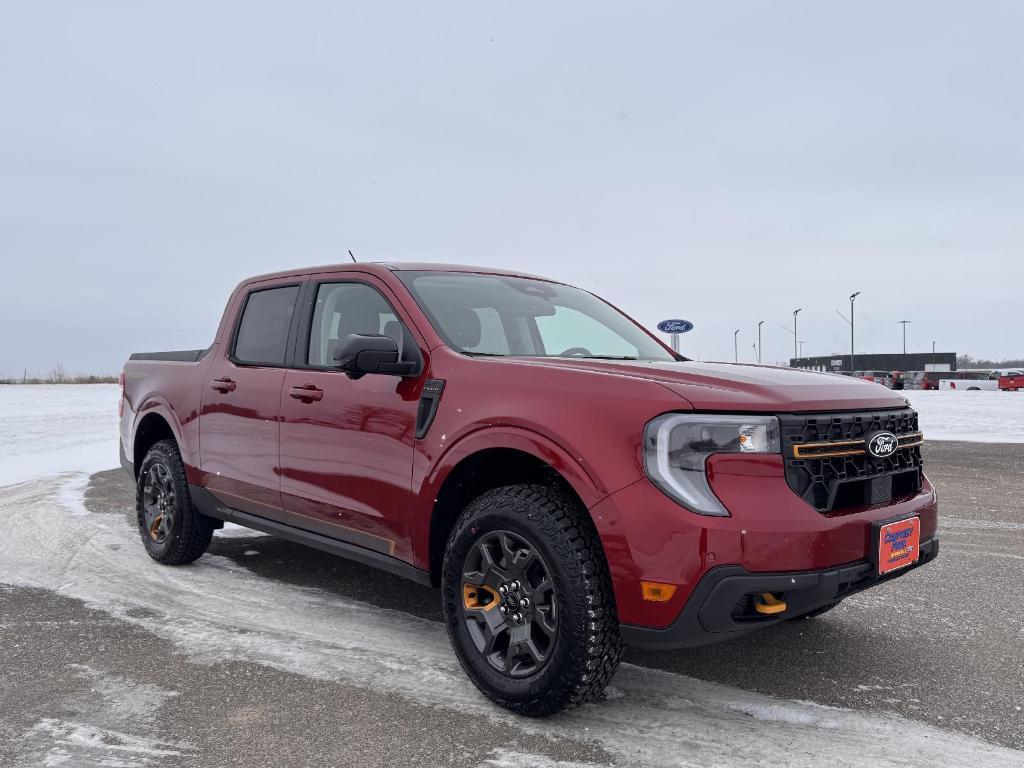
[592,660]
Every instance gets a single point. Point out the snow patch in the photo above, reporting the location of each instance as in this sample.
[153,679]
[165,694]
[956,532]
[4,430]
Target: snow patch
[977,417]
[235,531]
[501,758]
[46,429]
[81,745]
[110,725]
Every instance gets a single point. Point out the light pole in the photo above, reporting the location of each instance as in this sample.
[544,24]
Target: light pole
[795,346]
[853,297]
[759,341]
[904,324]
[736,344]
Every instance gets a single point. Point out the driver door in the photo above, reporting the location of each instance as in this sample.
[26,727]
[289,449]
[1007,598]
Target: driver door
[347,444]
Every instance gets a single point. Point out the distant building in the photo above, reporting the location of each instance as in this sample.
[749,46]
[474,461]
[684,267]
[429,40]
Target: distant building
[915,361]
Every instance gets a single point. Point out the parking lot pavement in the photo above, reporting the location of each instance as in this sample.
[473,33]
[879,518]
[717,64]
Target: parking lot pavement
[265,651]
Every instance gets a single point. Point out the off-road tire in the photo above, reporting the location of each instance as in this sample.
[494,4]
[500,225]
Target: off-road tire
[587,648]
[190,532]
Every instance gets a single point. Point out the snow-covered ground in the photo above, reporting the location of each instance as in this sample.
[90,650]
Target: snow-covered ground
[47,429]
[217,611]
[977,417]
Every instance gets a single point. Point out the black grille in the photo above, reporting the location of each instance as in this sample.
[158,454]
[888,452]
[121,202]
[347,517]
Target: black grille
[831,483]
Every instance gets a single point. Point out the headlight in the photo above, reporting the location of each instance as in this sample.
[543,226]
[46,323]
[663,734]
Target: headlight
[677,445]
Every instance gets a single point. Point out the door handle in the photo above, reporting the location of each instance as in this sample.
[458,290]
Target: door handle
[307,392]
[223,385]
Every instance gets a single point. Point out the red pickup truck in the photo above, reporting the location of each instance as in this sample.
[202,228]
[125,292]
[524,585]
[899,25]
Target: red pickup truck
[1011,381]
[567,480]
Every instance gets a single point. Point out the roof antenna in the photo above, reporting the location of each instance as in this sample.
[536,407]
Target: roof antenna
[353,256]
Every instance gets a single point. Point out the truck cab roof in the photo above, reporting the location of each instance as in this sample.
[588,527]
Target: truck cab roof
[377,267]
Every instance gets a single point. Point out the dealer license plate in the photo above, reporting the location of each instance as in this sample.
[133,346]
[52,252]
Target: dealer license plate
[899,544]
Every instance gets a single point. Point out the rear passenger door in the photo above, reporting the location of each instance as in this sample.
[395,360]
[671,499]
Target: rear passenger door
[239,424]
[347,444]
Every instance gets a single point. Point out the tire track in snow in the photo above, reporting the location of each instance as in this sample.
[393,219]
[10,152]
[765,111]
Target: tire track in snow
[216,610]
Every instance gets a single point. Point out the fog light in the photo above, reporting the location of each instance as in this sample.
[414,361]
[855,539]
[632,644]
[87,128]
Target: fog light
[656,591]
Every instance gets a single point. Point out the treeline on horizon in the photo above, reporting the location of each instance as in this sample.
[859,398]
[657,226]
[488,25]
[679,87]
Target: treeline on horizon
[58,375]
[966,361]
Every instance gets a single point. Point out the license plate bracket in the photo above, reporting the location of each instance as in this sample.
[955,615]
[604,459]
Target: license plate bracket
[895,544]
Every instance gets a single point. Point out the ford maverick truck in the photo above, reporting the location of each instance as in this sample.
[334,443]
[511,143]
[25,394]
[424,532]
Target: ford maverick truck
[566,480]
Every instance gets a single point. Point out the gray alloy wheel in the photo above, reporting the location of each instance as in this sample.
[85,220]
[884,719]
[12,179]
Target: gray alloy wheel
[158,502]
[508,603]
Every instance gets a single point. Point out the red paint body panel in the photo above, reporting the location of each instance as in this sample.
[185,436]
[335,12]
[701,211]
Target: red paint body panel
[346,459]
[648,536]
[171,391]
[239,432]
[1011,383]
[349,465]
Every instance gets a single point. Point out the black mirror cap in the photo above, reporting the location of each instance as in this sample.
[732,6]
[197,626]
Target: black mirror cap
[361,353]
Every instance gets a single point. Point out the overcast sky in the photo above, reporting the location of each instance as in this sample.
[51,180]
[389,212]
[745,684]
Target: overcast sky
[721,162]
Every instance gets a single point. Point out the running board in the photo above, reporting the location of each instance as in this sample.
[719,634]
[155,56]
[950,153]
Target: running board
[208,504]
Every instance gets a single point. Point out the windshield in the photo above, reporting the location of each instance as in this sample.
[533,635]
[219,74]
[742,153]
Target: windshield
[517,316]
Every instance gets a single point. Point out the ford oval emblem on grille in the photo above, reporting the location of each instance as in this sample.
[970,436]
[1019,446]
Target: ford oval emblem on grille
[882,445]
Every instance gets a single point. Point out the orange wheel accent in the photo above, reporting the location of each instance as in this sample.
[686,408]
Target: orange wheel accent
[155,526]
[474,596]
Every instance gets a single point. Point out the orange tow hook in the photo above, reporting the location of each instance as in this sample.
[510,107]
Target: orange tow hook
[768,604]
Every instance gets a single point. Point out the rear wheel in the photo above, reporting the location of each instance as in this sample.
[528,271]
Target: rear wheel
[171,530]
[528,602]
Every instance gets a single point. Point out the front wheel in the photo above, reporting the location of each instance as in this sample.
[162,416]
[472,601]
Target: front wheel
[528,602]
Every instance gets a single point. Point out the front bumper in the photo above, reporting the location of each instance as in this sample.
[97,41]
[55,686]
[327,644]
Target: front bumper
[710,614]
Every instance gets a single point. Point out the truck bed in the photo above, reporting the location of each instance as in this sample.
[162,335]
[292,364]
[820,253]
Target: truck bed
[178,356]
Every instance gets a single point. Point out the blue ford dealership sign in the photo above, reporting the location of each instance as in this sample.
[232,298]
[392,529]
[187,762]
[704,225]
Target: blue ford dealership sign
[675,326]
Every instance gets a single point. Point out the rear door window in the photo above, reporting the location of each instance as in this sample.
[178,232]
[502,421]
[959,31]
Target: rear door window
[262,336]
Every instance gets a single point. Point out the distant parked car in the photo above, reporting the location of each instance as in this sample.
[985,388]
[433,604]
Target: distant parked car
[879,377]
[978,380]
[1011,381]
[926,379]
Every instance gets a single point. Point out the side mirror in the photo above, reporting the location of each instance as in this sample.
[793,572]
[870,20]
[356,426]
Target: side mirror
[361,353]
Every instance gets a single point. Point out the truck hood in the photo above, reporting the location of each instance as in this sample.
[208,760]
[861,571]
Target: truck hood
[736,387]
